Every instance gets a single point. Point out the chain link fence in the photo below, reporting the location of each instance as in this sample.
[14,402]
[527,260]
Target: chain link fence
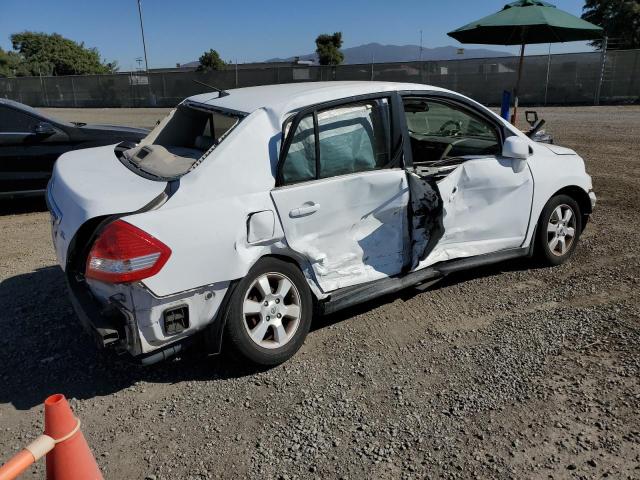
[561,79]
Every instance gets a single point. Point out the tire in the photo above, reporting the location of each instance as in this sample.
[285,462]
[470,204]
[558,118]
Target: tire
[557,238]
[269,327]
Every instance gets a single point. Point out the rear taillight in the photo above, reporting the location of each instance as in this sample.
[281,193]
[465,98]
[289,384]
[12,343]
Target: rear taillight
[124,253]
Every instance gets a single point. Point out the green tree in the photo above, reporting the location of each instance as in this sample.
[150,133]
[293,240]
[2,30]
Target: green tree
[210,61]
[328,49]
[11,64]
[619,18]
[53,54]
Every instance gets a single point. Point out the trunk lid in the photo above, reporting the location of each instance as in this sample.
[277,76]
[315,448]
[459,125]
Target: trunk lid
[90,183]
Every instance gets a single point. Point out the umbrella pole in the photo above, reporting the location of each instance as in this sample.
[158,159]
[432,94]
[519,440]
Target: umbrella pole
[514,117]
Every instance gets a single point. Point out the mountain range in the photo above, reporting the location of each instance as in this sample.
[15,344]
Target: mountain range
[401,53]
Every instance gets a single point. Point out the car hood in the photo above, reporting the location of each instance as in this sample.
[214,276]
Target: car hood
[91,183]
[558,150]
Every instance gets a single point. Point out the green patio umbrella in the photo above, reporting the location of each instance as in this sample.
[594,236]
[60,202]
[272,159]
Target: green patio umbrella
[523,22]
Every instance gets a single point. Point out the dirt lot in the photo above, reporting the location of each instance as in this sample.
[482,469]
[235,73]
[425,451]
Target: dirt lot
[504,372]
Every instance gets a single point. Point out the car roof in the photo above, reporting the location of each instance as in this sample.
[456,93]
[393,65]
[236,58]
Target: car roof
[285,98]
[19,106]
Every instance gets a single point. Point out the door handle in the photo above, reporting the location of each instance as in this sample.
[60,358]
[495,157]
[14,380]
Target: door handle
[307,209]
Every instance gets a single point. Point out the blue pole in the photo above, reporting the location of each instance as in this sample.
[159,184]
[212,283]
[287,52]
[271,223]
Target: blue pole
[506,104]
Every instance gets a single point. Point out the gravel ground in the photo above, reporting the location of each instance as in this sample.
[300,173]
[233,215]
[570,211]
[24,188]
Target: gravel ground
[504,372]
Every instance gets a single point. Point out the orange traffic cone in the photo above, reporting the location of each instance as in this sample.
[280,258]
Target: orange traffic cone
[71,459]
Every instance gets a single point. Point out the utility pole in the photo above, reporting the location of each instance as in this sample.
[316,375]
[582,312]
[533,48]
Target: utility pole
[603,64]
[373,58]
[546,85]
[144,45]
[420,57]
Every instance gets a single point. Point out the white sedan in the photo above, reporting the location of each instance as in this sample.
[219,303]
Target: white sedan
[246,212]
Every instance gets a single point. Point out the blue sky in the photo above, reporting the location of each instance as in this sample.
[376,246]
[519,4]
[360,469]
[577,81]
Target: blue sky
[248,30]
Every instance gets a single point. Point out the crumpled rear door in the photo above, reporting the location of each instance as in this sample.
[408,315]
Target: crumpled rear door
[351,228]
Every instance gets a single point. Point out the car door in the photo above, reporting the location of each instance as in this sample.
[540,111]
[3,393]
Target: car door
[341,194]
[29,147]
[486,198]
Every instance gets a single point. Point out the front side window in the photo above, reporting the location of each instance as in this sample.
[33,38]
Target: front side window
[440,130]
[350,138]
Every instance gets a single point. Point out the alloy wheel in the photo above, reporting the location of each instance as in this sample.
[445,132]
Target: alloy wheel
[561,230]
[271,310]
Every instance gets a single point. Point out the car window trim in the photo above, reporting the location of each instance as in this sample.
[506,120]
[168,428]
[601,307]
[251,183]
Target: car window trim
[316,142]
[313,181]
[292,122]
[205,107]
[17,133]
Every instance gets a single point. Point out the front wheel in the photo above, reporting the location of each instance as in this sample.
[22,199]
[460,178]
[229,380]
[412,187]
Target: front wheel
[558,230]
[269,313]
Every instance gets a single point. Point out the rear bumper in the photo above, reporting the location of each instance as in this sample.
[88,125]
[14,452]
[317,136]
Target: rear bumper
[128,318]
[110,325]
[114,327]
[593,199]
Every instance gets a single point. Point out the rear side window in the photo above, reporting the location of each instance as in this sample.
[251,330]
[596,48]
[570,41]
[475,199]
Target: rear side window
[354,138]
[351,138]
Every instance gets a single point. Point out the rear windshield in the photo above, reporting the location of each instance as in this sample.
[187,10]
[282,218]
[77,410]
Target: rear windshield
[181,140]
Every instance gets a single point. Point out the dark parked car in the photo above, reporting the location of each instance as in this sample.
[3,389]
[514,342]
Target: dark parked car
[30,143]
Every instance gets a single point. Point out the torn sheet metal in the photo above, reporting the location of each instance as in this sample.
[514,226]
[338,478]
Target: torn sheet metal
[486,208]
[426,217]
[147,331]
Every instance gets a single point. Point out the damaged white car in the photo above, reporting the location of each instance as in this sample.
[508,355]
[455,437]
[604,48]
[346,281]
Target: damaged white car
[246,212]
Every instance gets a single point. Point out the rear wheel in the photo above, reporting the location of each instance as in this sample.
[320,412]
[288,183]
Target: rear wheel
[558,230]
[269,313]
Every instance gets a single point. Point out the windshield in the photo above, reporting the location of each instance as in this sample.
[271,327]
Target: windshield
[181,140]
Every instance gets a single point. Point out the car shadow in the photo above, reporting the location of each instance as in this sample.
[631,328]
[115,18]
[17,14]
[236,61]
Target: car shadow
[45,350]
[22,205]
[519,264]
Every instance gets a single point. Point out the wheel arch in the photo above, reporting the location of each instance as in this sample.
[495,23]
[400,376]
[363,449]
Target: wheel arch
[291,256]
[215,335]
[579,195]
[540,240]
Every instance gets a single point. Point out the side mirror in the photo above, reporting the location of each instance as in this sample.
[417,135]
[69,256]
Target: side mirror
[532,117]
[44,129]
[515,147]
